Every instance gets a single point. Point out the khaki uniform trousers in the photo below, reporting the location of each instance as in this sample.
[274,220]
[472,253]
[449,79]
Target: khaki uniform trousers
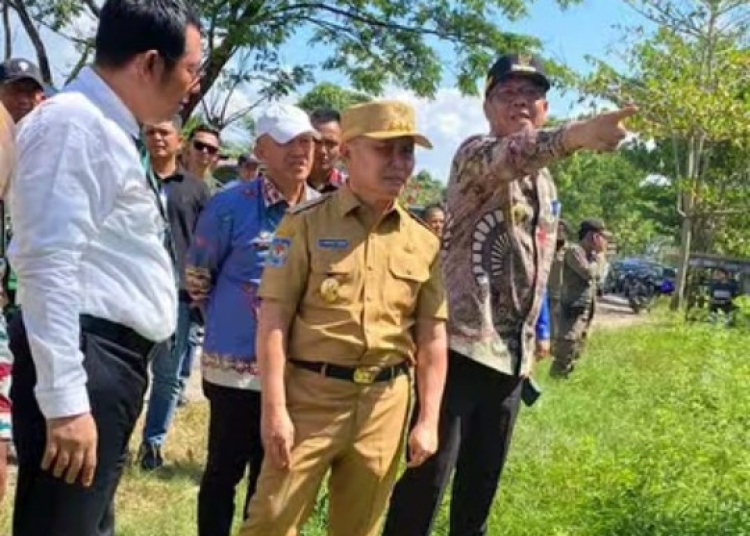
[355,431]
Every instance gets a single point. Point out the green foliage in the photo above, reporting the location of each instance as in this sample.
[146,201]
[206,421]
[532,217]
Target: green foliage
[373,42]
[668,455]
[682,87]
[668,459]
[613,187]
[689,79]
[327,95]
[423,190]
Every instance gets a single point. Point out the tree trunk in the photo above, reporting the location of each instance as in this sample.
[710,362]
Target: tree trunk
[219,56]
[686,236]
[6,29]
[217,60]
[688,211]
[36,40]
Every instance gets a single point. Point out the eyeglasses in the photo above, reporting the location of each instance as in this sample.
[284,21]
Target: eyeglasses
[205,147]
[507,94]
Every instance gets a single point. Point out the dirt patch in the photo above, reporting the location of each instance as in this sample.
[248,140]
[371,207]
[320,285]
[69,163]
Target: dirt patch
[614,312]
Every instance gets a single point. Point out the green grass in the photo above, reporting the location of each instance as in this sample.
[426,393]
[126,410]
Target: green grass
[650,437]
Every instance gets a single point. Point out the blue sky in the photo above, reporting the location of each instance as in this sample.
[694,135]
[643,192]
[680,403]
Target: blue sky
[567,35]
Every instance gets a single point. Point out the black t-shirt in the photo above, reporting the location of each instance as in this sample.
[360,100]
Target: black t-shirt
[723,292]
[186,197]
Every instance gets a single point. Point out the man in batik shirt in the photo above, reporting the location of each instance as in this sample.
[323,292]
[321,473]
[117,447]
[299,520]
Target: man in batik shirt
[499,241]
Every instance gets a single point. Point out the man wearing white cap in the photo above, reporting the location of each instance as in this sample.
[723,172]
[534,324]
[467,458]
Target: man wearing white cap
[224,267]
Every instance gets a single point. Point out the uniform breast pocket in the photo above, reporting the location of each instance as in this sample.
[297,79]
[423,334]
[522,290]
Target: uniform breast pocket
[334,280]
[407,273]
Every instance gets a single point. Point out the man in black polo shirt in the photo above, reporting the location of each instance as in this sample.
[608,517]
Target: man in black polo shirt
[325,177]
[21,87]
[185,196]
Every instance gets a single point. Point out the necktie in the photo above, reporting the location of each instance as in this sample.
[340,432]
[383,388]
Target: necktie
[159,196]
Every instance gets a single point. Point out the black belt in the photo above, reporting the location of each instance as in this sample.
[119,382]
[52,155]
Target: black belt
[117,333]
[358,375]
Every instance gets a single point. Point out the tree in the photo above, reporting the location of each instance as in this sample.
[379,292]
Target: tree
[690,79]
[218,104]
[327,95]
[8,40]
[423,190]
[372,42]
[615,188]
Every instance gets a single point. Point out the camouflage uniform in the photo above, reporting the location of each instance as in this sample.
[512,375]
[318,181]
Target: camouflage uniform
[555,289]
[576,273]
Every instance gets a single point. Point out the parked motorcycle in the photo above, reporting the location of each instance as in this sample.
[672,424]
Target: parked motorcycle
[642,293]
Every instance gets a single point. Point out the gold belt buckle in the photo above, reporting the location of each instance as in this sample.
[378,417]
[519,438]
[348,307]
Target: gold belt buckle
[364,376]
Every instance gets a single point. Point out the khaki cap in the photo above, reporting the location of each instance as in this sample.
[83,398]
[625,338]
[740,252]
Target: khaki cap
[382,120]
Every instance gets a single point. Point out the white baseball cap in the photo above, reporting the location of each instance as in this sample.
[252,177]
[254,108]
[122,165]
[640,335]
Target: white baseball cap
[284,122]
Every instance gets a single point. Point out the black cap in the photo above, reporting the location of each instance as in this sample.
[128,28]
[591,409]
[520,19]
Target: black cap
[19,69]
[593,225]
[516,65]
[247,158]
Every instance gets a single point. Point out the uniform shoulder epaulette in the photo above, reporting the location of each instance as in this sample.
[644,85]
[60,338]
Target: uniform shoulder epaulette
[307,205]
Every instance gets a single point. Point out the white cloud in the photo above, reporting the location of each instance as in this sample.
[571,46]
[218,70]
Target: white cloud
[447,120]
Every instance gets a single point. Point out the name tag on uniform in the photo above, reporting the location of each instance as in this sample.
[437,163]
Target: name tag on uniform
[556,205]
[333,243]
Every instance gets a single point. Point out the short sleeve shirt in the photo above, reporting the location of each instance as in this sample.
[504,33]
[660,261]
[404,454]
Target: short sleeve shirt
[356,289]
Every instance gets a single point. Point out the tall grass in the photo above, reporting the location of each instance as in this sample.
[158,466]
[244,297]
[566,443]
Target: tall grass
[650,437]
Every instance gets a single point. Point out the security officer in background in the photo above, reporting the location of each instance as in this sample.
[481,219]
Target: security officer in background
[352,297]
[21,87]
[581,271]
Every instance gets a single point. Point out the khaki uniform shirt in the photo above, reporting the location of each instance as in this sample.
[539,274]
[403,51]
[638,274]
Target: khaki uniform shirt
[499,240]
[356,288]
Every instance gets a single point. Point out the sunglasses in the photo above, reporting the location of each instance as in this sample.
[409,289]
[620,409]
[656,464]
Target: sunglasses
[205,147]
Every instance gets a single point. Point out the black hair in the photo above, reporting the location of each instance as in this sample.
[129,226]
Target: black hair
[433,208]
[131,27]
[203,127]
[325,115]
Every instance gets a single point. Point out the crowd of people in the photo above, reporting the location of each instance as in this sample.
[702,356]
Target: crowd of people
[339,330]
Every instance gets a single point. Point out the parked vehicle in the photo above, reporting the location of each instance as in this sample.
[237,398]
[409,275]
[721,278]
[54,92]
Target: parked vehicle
[642,293]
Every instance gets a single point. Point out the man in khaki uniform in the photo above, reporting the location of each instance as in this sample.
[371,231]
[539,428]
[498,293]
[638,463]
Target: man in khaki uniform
[580,272]
[352,297]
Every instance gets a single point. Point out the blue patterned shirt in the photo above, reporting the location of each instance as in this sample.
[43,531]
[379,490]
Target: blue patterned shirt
[225,262]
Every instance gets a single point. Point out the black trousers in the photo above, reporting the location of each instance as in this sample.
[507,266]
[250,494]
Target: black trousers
[234,447]
[476,423]
[116,362]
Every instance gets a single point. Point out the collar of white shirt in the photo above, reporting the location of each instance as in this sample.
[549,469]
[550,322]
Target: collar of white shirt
[96,89]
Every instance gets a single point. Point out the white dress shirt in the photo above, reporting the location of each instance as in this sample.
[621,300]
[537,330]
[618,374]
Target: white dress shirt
[87,235]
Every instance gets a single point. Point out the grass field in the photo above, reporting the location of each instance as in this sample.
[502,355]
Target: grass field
[651,437]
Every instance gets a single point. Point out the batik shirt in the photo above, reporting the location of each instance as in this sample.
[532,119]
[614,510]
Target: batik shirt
[498,244]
